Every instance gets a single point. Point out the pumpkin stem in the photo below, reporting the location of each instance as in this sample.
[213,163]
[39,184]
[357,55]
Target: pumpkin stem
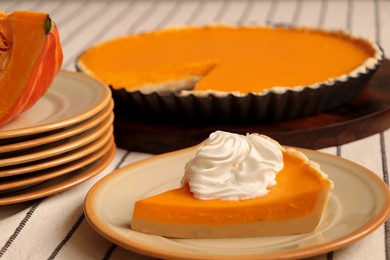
[48,25]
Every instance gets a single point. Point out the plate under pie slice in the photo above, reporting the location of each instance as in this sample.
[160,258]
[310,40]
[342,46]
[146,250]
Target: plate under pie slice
[232,73]
[294,205]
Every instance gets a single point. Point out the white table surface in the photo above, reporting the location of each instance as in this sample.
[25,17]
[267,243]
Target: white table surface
[55,227]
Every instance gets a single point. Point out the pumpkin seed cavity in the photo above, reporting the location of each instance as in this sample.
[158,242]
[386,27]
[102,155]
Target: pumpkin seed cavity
[5,46]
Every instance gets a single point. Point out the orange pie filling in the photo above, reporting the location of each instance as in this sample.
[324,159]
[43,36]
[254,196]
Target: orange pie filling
[227,59]
[294,205]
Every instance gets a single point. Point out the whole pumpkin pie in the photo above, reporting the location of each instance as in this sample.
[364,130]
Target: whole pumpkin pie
[238,186]
[233,68]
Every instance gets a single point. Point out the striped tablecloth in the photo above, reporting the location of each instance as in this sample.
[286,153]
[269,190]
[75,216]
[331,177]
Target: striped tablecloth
[55,227]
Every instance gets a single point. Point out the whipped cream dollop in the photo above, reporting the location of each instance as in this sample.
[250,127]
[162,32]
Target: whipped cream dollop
[230,166]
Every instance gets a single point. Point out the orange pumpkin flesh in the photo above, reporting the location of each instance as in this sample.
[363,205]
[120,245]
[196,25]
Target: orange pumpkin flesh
[30,58]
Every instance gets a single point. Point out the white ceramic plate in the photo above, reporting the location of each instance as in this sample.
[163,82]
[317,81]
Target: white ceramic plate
[18,144]
[359,204]
[59,147]
[72,98]
[58,160]
[59,184]
[17,182]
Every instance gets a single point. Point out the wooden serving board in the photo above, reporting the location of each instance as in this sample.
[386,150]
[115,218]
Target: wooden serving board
[367,114]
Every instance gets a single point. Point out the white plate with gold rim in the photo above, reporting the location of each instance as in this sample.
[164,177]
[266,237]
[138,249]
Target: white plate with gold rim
[58,160]
[57,148]
[18,144]
[17,182]
[359,203]
[59,184]
[72,98]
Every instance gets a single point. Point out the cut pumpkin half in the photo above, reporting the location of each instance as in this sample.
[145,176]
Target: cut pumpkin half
[30,58]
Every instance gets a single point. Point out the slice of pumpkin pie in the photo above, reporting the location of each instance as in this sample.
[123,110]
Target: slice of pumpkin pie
[238,186]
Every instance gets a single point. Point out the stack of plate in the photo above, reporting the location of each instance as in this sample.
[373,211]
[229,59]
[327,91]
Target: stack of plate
[63,140]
